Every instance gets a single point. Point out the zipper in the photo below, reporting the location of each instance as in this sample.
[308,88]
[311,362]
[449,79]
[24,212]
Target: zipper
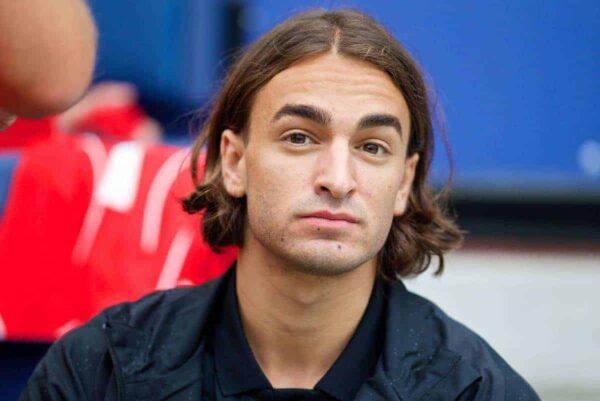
[119,379]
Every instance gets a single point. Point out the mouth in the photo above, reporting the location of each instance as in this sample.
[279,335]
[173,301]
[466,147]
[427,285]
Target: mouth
[330,219]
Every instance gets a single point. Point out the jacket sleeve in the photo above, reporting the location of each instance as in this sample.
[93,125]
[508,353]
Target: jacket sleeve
[77,367]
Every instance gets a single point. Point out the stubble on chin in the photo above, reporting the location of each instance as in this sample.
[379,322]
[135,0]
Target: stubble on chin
[299,256]
[296,250]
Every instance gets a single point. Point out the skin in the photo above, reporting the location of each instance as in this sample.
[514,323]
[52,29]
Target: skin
[47,56]
[304,282]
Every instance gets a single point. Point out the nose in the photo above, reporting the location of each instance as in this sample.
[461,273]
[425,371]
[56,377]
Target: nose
[336,172]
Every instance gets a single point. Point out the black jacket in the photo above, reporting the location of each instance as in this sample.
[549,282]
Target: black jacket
[152,349]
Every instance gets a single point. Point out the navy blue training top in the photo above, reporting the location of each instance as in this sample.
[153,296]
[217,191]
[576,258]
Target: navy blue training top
[232,373]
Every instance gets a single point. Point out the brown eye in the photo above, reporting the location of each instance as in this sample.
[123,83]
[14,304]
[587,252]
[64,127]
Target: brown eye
[373,148]
[298,138]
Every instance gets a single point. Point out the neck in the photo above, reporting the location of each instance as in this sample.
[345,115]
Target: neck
[298,324]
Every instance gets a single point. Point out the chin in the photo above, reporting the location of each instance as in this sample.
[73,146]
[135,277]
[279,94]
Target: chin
[325,257]
[318,261]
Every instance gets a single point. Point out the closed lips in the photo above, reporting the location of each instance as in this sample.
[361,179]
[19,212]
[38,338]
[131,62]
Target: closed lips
[333,216]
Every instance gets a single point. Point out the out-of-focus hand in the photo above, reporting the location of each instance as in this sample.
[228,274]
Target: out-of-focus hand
[6,120]
[47,55]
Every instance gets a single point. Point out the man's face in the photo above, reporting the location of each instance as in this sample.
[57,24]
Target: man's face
[324,169]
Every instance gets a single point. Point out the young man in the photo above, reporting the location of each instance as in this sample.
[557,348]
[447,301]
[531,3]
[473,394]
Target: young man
[318,149]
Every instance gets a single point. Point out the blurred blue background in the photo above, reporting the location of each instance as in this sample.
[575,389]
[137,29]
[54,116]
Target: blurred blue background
[516,82]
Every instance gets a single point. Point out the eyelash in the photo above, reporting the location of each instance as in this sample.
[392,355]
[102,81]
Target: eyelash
[288,137]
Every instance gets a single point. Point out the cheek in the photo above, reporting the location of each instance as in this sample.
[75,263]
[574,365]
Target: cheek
[380,197]
[379,191]
[271,180]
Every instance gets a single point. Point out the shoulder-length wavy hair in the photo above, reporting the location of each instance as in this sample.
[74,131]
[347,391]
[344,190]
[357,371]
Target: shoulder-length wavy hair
[423,231]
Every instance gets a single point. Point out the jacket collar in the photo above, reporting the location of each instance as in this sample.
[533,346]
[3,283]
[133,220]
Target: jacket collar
[160,352]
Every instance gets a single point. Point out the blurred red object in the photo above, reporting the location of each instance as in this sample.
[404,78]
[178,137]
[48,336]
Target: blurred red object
[118,122]
[26,132]
[91,222]
[110,110]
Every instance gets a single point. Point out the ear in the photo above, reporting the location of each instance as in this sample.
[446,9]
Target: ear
[233,163]
[410,167]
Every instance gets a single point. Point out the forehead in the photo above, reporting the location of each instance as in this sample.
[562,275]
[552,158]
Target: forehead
[348,88]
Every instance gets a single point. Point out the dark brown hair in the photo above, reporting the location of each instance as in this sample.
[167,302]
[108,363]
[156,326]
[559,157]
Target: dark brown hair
[424,230]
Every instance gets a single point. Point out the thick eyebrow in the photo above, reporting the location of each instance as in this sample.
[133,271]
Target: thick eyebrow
[313,113]
[322,117]
[380,120]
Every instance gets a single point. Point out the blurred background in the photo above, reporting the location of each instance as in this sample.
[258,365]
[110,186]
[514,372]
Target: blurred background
[516,87]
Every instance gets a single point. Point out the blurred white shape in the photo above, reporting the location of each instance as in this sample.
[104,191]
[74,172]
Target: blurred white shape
[588,157]
[97,154]
[156,199]
[119,185]
[175,258]
[185,282]
[2,329]
[65,328]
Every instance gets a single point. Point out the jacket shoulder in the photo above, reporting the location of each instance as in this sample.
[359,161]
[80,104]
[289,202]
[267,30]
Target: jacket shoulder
[79,365]
[71,368]
[142,313]
[496,375]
